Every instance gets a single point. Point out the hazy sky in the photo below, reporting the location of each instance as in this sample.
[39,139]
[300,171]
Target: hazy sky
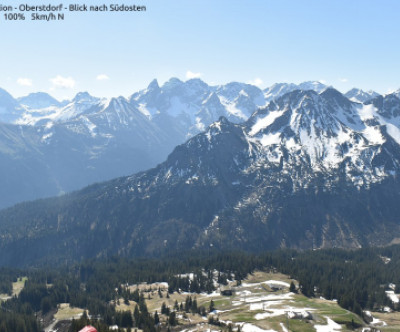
[344,43]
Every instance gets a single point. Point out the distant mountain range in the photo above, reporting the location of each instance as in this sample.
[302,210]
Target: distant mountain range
[49,147]
[309,169]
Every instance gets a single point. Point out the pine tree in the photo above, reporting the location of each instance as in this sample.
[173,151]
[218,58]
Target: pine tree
[136,315]
[187,308]
[163,308]
[142,304]
[172,318]
[194,306]
[212,307]
[202,311]
[156,318]
[159,293]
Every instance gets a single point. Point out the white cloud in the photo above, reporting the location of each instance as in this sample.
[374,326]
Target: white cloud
[322,81]
[24,81]
[190,75]
[102,77]
[63,82]
[344,80]
[257,82]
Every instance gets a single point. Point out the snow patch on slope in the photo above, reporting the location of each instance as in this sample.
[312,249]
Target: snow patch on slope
[265,122]
[330,327]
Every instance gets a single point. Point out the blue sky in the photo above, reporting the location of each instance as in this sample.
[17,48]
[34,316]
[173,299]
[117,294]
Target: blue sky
[342,43]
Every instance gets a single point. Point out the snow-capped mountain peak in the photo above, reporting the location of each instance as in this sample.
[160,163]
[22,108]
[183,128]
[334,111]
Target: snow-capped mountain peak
[172,84]
[397,93]
[310,168]
[153,85]
[361,96]
[279,89]
[330,132]
[85,97]
[39,100]
[10,110]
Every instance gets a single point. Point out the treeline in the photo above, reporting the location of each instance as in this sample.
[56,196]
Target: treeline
[356,278]
[98,285]
[7,277]
[125,320]
[14,322]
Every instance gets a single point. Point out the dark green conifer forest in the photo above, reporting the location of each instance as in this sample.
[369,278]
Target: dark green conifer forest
[356,278]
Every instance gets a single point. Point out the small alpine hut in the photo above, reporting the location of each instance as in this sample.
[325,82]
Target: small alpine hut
[88,329]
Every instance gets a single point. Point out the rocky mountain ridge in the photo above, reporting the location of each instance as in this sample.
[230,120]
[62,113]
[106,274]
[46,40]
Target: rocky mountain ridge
[309,170]
[55,147]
